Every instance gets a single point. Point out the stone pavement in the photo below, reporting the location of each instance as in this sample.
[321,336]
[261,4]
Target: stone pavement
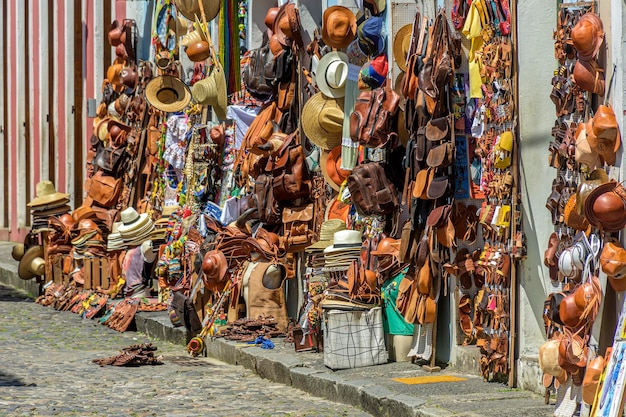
[372,389]
[46,369]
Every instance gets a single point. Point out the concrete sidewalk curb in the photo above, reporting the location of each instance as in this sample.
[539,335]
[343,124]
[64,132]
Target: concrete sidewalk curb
[288,370]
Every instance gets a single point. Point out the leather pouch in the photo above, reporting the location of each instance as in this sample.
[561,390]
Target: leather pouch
[298,233]
[439,128]
[104,189]
[438,188]
[441,156]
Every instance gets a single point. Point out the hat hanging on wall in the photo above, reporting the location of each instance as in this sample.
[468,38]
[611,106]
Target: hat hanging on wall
[330,163]
[168,94]
[211,91]
[332,74]
[190,8]
[322,121]
[371,35]
[401,44]
[338,26]
[374,73]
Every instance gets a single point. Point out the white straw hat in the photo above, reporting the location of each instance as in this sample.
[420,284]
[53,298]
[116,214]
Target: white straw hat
[332,74]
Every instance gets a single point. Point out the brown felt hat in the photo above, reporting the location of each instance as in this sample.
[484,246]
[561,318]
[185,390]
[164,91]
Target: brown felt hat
[338,26]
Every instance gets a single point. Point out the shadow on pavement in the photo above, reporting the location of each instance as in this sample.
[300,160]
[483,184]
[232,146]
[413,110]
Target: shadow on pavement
[7,380]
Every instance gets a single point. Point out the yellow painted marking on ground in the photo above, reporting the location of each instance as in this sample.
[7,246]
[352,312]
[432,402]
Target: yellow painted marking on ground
[431,379]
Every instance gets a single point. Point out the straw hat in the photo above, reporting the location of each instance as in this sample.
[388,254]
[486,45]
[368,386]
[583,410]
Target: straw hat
[330,163]
[549,360]
[327,233]
[190,8]
[168,94]
[338,26]
[17,252]
[197,35]
[401,43]
[332,74]
[211,91]
[133,223]
[32,263]
[46,194]
[322,121]
[345,241]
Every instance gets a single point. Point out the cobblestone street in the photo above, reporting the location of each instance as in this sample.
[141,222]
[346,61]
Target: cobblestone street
[46,369]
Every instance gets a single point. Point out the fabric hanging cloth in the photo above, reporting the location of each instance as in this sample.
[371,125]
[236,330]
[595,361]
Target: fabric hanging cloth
[228,39]
[164,18]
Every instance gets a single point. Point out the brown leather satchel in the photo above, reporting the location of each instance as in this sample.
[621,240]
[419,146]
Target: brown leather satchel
[290,175]
[371,191]
[438,66]
[266,204]
[104,189]
[261,128]
[373,116]
[298,231]
[260,63]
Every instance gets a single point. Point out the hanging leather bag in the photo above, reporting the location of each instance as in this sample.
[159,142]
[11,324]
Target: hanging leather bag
[371,191]
[372,119]
[104,189]
[290,176]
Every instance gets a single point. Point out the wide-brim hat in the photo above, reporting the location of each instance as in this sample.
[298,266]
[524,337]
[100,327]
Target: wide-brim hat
[584,154]
[613,260]
[337,209]
[330,162]
[549,360]
[211,91]
[133,223]
[32,263]
[605,207]
[338,26]
[322,121]
[401,43]
[196,35]
[190,8]
[345,241]
[46,193]
[327,233]
[214,266]
[115,128]
[286,25]
[168,94]
[605,147]
[332,73]
[114,74]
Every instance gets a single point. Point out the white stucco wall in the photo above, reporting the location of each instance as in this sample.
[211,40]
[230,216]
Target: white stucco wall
[536,22]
